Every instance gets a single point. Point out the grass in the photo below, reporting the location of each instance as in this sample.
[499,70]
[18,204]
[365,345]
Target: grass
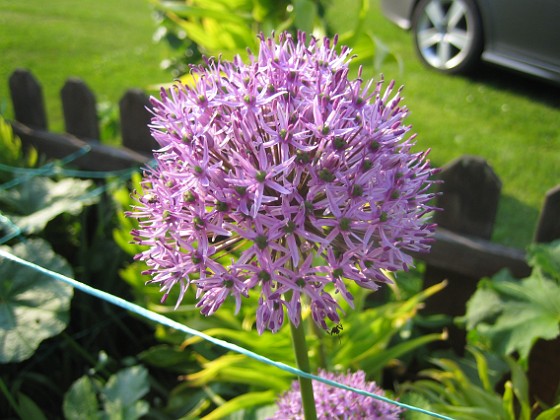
[511,121]
[106,43]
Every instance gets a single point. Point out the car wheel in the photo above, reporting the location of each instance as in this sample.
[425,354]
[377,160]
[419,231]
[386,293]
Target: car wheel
[447,34]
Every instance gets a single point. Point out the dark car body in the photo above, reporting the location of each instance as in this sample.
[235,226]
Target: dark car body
[523,35]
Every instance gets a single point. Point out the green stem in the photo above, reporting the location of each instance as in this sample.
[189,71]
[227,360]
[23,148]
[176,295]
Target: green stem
[302,360]
[10,398]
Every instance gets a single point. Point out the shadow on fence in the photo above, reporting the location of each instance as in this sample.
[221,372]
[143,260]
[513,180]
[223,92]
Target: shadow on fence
[462,252]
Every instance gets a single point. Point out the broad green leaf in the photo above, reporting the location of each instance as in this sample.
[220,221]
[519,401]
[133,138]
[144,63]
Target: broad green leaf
[164,356]
[37,201]
[122,393]
[485,304]
[80,401]
[33,306]
[511,315]
[305,14]
[546,257]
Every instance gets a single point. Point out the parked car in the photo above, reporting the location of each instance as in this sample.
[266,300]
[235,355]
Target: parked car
[453,35]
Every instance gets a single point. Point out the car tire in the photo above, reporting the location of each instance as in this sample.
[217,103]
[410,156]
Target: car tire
[448,34]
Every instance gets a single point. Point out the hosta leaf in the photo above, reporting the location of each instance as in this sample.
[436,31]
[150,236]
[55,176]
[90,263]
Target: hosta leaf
[34,203]
[33,307]
[125,388]
[80,401]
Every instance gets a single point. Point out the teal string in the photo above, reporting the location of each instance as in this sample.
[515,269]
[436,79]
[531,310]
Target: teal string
[48,169]
[13,229]
[160,319]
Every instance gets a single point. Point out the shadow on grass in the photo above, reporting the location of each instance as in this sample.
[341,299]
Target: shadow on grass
[517,83]
[515,223]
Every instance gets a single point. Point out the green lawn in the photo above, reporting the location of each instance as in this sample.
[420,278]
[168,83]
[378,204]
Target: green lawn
[107,43]
[511,121]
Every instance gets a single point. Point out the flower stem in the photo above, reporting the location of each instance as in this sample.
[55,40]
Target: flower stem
[302,360]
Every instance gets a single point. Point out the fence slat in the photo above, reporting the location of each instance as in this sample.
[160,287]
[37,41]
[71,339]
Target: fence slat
[548,228]
[544,369]
[470,196]
[135,118]
[27,99]
[79,107]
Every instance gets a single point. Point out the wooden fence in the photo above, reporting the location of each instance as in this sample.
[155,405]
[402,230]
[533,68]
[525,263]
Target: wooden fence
[462,252]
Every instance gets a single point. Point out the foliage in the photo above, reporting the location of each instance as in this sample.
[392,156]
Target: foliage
[227,28]
[38,200]
[119,396]
[33,307]
[454,391]
[509,315]
[11,151]
[505,317]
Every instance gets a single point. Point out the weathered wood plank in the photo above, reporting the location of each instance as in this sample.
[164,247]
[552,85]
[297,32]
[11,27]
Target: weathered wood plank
[58,146]
[470,197]
[135,117]
[80,111]
[27,99]
[473,257]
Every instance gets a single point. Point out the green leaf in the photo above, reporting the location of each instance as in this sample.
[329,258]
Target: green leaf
[511,314]
[28,409]
[165,356]
[241,402]
[122,393]
[33,306]
[546,257]
[37,201]
[305,12]
[80,401]
[550,414]
[520,387]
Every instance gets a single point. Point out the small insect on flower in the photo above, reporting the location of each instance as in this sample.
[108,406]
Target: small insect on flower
[336,330]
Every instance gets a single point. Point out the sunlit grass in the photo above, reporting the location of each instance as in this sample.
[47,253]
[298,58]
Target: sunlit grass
[107,43]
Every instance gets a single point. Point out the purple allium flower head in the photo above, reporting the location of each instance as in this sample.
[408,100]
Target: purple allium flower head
[281,177]
[336,403]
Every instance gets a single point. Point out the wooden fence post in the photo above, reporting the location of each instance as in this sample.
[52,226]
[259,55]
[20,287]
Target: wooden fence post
[470,195]
[135,118]
[548,228]
[27,99]
[544,365]
[79,107]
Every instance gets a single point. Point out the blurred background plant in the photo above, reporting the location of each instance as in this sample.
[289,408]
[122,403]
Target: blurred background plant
[197,28]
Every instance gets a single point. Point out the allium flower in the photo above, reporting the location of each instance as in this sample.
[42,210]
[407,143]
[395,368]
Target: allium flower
[281,177]
[336,403]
